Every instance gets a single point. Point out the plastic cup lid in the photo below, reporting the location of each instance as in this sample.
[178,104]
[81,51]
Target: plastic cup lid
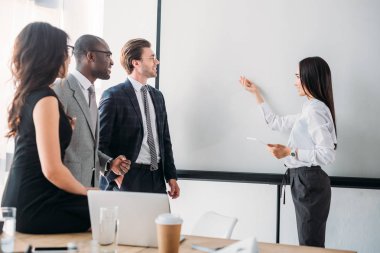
[168,219]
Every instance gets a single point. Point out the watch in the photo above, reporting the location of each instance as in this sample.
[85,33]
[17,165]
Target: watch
[293,152]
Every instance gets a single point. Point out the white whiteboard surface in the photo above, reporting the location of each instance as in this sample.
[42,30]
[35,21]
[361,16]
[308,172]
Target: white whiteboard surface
[207,45]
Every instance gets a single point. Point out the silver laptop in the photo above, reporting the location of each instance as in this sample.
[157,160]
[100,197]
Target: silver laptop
[137,212]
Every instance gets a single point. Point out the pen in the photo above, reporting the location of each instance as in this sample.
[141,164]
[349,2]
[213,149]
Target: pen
[56,249]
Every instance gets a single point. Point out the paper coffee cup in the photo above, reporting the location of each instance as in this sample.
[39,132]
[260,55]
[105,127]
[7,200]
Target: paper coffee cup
[168,232]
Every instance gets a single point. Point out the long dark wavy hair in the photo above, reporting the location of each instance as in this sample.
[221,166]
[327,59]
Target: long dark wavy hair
[315,77]
[40,50]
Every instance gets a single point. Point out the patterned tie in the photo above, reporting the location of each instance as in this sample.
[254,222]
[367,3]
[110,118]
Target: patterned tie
[152,146]
[93,107]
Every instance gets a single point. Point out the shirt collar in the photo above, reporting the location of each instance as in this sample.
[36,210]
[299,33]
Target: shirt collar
[136,84]
[83,81]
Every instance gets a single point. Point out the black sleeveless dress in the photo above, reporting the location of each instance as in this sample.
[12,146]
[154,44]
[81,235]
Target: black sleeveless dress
[42,208]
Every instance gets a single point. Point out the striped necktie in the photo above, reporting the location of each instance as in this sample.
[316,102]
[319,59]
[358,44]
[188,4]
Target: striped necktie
[93,107]
[152,146]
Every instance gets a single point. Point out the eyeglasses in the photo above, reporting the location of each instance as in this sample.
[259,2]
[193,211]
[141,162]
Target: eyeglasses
[153,58]
[108,53]
[70,50]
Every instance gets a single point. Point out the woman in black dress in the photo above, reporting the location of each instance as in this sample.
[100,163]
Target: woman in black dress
[47,196]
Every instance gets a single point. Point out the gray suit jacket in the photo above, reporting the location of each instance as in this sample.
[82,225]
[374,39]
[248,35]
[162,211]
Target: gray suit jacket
[82,155]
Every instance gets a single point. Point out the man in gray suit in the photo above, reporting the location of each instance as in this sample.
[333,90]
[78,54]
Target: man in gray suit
[77,94]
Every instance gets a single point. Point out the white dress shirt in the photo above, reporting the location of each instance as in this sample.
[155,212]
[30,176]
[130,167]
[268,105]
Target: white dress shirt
[84,84]
[144,155]
[312,133]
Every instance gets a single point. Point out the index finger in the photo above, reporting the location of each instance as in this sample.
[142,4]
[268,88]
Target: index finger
[242,80]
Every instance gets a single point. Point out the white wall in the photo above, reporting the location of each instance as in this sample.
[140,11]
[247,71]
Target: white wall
[125,20]
[353,222]
[82,17]
[254,205]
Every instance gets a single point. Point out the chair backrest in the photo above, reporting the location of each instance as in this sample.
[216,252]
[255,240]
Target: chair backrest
[212,224]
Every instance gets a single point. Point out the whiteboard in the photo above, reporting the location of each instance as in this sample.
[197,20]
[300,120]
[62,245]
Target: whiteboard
[207,45]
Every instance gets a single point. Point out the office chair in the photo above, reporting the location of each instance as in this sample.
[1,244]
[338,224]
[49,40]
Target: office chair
[212,224]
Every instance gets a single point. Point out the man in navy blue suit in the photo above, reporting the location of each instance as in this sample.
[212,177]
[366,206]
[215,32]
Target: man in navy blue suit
[133,122]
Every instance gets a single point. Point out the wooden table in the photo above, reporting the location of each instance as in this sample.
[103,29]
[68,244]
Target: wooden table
[83,241]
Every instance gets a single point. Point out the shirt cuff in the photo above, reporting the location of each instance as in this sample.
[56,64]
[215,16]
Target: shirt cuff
[265,110]
[111,176]
[265,107]
[107,167]
[108,173]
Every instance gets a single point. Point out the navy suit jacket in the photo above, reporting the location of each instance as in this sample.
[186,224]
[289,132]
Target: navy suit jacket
[121,125]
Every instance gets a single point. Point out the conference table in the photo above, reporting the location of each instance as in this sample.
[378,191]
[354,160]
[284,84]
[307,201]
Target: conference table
[85,244]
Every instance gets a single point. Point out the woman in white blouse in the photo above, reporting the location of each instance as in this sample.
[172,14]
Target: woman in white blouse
[312,144]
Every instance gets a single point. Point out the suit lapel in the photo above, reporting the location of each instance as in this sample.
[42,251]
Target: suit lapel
[130,91]
[82,102]
[156,104]
[158,110]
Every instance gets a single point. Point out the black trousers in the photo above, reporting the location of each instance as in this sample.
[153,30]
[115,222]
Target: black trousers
[141,179]
[311,193]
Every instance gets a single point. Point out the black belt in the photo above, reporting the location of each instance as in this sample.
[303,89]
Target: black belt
[142,166]
[284,182]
